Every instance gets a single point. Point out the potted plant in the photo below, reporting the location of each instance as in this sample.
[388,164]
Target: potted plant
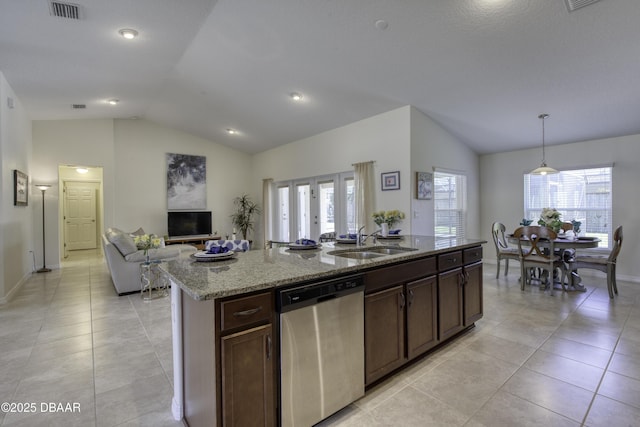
[242,218]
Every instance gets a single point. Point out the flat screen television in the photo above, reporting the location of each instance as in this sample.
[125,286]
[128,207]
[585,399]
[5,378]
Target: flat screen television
[189,223]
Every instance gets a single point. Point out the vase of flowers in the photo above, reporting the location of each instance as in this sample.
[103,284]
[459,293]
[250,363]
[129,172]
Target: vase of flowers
[550,217]
[387,219]
[145,242]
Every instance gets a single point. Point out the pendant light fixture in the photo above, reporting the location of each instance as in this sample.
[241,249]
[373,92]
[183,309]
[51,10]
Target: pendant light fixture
[543,169]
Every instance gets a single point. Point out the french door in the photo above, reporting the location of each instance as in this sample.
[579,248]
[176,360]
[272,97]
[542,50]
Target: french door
[307,208]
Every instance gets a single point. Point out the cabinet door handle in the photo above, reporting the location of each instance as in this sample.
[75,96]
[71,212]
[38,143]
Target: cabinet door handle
[466,277]
[268,347]
[402,300]
[249,312]
[410,297]
[461,279]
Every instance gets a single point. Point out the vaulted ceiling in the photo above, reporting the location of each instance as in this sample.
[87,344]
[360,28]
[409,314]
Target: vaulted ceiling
[483,69]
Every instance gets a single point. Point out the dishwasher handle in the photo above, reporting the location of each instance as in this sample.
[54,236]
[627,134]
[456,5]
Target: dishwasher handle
[326,298]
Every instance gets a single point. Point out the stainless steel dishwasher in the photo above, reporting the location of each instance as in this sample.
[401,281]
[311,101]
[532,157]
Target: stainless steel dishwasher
[322,349]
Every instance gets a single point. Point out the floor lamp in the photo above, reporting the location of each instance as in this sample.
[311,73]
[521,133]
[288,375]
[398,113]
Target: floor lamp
[44,269]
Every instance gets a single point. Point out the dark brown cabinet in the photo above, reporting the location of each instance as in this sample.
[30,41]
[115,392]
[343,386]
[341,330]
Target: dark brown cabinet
[450,288]
[472,293]
[384,332]
[247,361]
[229,361]
[422,316]
[459,291]
[247,378]
[400,315]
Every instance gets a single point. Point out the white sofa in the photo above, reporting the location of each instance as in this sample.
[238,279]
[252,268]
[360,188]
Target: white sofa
[123,258]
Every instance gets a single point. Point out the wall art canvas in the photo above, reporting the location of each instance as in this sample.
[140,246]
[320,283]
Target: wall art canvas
[186,181]
[424,186]
[20,188]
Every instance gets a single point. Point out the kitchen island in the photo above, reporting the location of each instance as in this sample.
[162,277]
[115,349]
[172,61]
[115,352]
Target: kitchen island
[226,332]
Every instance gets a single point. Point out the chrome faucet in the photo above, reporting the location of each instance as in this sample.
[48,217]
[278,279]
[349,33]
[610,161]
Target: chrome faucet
[361,239]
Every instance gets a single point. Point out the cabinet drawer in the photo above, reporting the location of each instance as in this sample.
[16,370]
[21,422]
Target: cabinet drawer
[245,310]
[471,255]
[449,260]
[399,273]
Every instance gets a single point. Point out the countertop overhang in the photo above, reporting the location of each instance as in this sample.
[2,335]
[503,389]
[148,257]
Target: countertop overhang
[269,268]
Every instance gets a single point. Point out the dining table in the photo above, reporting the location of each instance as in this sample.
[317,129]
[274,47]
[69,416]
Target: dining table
[566,244]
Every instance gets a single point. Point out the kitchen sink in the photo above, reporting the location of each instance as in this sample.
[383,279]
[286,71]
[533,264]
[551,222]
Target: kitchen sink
[370,252]
[356,254]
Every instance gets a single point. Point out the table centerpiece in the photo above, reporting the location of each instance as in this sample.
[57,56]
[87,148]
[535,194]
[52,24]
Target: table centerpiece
[387,219]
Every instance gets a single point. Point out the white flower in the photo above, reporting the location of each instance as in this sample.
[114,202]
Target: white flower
[146,242]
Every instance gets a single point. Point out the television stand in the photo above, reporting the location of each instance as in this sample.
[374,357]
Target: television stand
[197,241]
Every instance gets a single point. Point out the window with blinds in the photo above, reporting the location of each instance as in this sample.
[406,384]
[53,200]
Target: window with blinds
[450,204]
[581,194]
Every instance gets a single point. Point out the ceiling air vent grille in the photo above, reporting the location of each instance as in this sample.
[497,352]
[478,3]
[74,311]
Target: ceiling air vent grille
[65,10]
[577,4]
[78,106]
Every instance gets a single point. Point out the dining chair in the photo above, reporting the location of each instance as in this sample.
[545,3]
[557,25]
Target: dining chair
[606,264]
[566,226]
[535,248]
[503,251]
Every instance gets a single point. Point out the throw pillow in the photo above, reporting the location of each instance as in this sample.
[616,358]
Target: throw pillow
[122,241]
[138,232]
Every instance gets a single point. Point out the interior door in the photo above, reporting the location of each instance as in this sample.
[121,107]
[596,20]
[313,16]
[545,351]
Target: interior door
[80,215]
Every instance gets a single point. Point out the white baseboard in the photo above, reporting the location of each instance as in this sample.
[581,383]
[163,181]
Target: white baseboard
[13,291]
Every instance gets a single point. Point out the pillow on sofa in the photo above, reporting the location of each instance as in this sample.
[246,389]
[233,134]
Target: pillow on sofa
[138,232]
[122,241]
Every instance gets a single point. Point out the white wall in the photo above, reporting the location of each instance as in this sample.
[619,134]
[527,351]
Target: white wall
[402,140]
[501,187]
[432,146]
[384,138]
[132,154]
[69,142]
[141,171]
[15,221]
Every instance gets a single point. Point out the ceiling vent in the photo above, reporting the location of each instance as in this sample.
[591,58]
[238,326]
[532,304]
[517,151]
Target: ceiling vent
[64,10]
[78,106]
[577,4]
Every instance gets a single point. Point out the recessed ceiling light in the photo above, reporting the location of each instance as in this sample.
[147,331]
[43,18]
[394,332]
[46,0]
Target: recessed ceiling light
[232,131]
[113,101]
[128,33]
[82,170]
[296,96]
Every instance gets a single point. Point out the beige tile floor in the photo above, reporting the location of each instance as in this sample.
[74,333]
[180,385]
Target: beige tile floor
[572,359]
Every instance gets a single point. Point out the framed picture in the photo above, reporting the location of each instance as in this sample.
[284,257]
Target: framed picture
[424,185]
[20,188]
[186,181]
[390,180]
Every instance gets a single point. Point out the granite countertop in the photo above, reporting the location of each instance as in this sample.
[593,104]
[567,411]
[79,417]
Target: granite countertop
[265,269]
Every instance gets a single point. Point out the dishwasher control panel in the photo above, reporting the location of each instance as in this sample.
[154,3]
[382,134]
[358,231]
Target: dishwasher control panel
[315,293]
